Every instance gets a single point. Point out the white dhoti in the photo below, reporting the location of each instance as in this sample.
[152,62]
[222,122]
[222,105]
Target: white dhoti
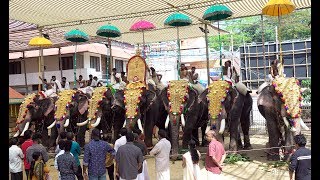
[163,175]
[211,175]
[50,93]
[144,175]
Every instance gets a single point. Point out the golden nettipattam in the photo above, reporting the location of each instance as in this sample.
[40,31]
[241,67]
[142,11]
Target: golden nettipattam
[177,94]
[94,103]
[23,107]
[65,98]
[132,95]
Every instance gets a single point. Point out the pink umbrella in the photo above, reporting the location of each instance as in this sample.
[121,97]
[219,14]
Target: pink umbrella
[142,26]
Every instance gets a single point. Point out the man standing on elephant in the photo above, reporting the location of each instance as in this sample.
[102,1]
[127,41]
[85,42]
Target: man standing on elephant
[56,84]
[162,153]
[214,157]
[300,161]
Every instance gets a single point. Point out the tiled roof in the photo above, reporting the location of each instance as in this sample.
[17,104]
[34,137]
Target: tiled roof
[13,94]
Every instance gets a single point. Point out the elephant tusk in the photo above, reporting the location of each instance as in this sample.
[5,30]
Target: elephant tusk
[66,124]
[222,126]
[167,122]
[16,134]
[207,129]
[303,125]
[140,125]
[51,126]
[83,123]
[124,124]
[26,127]
[183,122]
[286,122]
[96,123]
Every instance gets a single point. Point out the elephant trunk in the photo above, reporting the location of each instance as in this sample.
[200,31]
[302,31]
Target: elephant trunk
[174,120]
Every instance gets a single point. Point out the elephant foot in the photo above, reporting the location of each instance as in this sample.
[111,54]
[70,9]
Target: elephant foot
[273,157]
[247,146]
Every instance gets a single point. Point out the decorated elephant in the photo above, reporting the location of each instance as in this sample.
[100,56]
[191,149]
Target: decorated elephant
[221,101]
[279,104]
[70,109]
[36,112]
[182,105]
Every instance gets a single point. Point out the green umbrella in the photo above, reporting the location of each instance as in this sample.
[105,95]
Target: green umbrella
[217,13]
[177,20]
[76,36]
[108,31]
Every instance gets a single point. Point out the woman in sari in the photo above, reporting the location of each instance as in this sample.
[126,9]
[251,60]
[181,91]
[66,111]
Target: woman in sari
[190,163]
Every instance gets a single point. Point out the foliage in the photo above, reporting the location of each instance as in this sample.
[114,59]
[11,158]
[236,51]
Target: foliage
[306,95]
[293,26]
[278,164]
[233,158]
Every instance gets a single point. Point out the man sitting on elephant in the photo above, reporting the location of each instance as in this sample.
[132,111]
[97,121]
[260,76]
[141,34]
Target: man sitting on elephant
[119,85]
[157,79]
[194,80]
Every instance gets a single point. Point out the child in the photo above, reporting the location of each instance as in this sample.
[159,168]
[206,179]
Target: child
[38,170]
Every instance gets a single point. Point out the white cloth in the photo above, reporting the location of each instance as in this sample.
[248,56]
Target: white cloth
[162,152]
[211,175]
[56,162]
[163,175]
[119,142]
[191,171]
[55,84]
[119,86]
[50,93]
[66,86]
[15,159]
[144,175]
[94,83]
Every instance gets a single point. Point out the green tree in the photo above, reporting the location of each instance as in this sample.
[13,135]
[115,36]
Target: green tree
[293,26]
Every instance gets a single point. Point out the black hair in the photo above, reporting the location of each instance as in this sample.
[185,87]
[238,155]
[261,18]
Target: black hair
[138,131]
[107,138]
[36,136]
[152,69]
[13,141]
[44,79]
[70,136]
[35,157]
[136,136]
[193,151]
[162,133]
[114,69]
[123,73]
[193,67]
[123,131]
[90,75]
[130,137]
[64,78]
[95,134]
[300,140]
[61,144]
[80,75]
[67,145]
[27,134]
[53,76]
[63,135]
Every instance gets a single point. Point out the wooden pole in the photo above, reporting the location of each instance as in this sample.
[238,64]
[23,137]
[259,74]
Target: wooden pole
[207,51]
[263,50]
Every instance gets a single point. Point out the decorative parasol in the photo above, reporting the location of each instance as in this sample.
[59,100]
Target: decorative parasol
[40,42]
[142,26]
[178,20]
[278,8]
[217,13]
[108,31]
[76,36]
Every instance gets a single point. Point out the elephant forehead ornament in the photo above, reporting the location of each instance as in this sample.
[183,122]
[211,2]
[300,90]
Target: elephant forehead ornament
[62,104]
[289,92]
[132,96]
[23,107]
[97,96]
[217,92]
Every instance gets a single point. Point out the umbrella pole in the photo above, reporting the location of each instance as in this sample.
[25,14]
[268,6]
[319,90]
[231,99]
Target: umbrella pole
[39,68]
[207,52]
[280,49]
[75,67]
[107,64]
[143,50]
[221,73]
[179,58]
[263,49]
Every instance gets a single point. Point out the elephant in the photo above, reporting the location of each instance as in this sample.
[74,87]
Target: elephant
[181,104]
[220,102]
[272,107]
[37,112]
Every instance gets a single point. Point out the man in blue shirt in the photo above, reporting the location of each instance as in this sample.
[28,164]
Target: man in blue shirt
[94,160]
[75,150]
[300,161]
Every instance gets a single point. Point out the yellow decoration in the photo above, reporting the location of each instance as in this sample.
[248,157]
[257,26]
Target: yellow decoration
[290,91]
[217,92]
[40,41]
[97,95]
[136,69]
[278,7]
[23,107]
[177,90]
[65,97]
[132,95]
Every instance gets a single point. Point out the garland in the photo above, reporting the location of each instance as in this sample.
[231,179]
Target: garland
[94,103]
[289,91]
[217,92]
[132,97]
[62,104]
[23,107]
[177,94]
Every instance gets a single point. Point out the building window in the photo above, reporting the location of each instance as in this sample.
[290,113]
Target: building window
[15,67]
[119,65]
[95,63]
[67,62]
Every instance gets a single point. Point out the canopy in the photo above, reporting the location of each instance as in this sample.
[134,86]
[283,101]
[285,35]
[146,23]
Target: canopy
[59,16]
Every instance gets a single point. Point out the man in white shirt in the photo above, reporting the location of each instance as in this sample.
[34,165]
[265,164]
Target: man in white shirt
[122,140]
[113,76]
[56,84]
[64,84]
[15,160]
[119,85]
[162,153]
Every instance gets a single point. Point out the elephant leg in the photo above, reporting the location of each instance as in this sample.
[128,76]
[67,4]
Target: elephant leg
[45,137]
[245,126]
[203,134]
[148,130]
[80,138]
[195,136]
[53,137]
[288,142]
[187,133]
[234,134]
[239,141]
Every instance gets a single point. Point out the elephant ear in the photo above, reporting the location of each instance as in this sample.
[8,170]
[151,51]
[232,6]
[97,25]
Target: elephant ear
[203,97]
[193,95]
[148,101]
[164,97]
